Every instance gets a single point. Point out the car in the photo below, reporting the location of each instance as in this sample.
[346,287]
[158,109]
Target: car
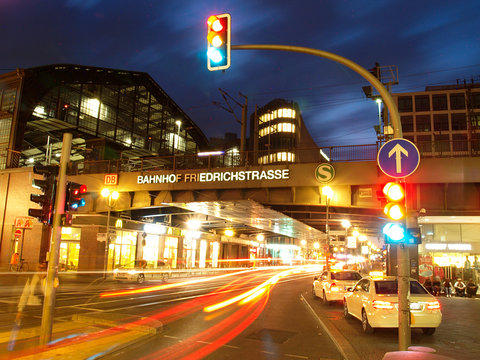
[331,284]
[374,301]
[139,271]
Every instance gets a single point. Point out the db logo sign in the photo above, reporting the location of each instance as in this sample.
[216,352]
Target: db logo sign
[324,173]
[111,179]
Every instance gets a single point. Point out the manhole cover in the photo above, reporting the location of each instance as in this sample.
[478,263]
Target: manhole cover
[272,335]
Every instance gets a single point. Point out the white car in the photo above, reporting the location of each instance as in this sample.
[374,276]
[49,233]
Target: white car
[139,272]
[374,301]
[332,285]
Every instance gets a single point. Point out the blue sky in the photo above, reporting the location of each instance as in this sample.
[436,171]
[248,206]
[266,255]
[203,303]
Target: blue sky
[431,42]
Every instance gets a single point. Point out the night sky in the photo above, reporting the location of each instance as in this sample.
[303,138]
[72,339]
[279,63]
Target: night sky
[431,42]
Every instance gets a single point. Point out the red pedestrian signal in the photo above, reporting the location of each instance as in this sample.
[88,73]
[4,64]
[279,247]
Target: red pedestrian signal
[218,38]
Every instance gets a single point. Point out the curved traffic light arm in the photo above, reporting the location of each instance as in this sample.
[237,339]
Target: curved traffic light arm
[387,98]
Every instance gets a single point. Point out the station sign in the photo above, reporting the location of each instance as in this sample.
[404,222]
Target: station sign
[324,173]
[111,179]
[215,176]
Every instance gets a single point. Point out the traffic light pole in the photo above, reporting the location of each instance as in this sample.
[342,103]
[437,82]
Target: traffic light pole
[52,270]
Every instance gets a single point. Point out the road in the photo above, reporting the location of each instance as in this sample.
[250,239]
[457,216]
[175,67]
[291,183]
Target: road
[279,320]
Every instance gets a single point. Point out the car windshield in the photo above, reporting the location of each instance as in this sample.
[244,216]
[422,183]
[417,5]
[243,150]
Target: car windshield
[344,275]
[391,287]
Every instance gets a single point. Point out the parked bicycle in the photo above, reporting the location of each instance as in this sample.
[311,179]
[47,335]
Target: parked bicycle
[21,266]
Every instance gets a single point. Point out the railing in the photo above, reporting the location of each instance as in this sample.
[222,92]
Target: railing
[435,149]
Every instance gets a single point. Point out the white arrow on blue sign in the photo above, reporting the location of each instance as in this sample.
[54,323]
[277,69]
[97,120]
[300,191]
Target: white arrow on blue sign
[398,158]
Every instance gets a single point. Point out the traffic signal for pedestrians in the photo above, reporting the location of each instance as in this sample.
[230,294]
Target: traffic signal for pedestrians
[75,196]
[218,36]
[47,198]
[375,71]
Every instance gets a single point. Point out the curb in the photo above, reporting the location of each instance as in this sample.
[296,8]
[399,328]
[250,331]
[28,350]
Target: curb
[129,322]
[341,343]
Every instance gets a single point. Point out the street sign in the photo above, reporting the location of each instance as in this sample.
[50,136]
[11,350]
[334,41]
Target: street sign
[23,222]
[398,158]
[18,233]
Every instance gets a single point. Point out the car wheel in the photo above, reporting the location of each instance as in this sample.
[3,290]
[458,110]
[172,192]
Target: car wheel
[165,277]
[140,278]
[324,298]
[345,310]
[365,324]
[428,331]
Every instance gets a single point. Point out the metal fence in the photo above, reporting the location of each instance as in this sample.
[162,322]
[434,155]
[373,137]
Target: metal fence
[436,149]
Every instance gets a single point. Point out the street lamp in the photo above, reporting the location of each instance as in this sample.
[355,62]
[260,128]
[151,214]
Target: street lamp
[328,192]
[111,197]
[177,140]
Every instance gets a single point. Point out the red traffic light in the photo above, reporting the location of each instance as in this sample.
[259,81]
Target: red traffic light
[218,38]
[395,196]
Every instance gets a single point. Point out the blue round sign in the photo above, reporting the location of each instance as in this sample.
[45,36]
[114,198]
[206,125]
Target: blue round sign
[398,158]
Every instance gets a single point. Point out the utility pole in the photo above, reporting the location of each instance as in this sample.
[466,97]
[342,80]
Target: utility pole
[52,270]
[242,121]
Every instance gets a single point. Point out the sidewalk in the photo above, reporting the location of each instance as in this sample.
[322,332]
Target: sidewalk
[88,336]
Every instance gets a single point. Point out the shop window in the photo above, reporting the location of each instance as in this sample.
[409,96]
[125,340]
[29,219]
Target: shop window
[405,104]
[439,102]
[446,233]
[170,252]
[423,123]
[422,103]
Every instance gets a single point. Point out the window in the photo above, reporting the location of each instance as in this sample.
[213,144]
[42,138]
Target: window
[440,122]
[424,143]
[405,104]
[439,102]
[475,100]
[442,143]
[459,142]
[423,123]
[391,287]
[457,101]
[459,122]
[407,123]
[346,275]
[422,103]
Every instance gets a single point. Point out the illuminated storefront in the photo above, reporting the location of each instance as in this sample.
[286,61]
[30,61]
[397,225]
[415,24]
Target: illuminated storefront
[69,249]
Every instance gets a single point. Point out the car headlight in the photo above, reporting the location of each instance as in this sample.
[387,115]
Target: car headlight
[131,272]
[115,271]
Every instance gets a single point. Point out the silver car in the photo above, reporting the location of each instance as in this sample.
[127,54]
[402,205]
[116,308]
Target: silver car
[140,272]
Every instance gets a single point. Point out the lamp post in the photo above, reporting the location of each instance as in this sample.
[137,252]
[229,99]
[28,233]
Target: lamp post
[346,224]
[110,196]
[177,140]
[328,192]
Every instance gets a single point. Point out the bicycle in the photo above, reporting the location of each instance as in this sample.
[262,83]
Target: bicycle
[21,266]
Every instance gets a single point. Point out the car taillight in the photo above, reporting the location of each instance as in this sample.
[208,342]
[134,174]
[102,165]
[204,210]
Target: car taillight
[334,287]
[378,304]
[434,305]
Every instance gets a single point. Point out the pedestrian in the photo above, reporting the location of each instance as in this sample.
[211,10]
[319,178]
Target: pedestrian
[459,287]
[471,288]
[32,296]
[447,285]
[428,285]
[436,286]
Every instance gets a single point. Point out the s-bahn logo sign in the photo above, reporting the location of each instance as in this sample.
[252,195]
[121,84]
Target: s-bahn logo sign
[324,173]
[225,176]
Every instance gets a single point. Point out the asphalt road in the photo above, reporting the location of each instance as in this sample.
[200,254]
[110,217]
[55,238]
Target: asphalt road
[284,322]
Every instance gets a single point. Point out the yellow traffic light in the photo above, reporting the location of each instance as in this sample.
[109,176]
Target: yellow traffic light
[395,196]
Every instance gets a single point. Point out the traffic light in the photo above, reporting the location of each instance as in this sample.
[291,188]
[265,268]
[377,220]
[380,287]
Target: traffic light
[75,196]
[395,197]
[218,37]
[47,199]
[394,208]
